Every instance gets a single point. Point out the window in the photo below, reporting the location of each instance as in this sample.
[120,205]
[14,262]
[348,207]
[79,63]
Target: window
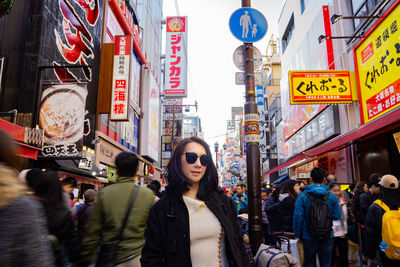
[288,34]
[303,4]
[363,8]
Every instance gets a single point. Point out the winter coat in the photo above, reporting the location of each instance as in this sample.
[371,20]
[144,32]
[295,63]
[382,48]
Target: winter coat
[242,204]
[62,227]
[287,208]
[274,214]
[83,216]
[108,214]
[168,234]
[366,200]
[264,214]
[23,233]
[302,208]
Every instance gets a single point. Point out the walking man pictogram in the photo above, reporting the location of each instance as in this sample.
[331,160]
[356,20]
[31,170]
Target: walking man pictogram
[245,22]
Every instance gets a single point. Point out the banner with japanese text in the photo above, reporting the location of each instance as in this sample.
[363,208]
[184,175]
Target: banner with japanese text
[320,87]
[176,57]
[120,83]
[377,61]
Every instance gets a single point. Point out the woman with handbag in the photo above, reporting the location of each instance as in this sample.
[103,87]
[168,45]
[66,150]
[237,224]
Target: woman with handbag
[196,223]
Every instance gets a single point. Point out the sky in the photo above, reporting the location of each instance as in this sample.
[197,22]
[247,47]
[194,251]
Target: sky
[211,71]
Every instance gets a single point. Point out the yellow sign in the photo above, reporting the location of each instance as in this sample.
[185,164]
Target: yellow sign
[377,61]
[319,87]
[396,137]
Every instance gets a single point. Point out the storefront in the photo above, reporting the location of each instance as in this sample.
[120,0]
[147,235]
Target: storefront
[107,150]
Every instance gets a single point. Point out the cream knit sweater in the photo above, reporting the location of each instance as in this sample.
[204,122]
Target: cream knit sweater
[207,248]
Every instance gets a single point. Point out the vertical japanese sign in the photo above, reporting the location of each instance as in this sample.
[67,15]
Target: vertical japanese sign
[62,118]
[377,61]
[175,57]
[120,84]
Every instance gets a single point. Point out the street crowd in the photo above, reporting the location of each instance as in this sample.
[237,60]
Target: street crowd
[193,222]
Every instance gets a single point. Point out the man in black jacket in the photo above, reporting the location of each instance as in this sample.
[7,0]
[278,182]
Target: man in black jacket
[366,200]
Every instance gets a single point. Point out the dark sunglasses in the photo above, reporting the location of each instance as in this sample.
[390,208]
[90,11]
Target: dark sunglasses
[191,158]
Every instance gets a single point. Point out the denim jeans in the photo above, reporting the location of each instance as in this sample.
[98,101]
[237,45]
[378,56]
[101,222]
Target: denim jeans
[323,249]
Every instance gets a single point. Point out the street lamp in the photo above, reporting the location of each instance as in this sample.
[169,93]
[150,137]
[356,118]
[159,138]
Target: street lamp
[216,147]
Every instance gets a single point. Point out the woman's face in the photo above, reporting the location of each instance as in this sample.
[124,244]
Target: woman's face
[296,188]
[365,188]
[193,172]
[336,191]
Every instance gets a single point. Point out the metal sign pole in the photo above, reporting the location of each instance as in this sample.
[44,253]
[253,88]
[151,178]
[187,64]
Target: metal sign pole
[252,149]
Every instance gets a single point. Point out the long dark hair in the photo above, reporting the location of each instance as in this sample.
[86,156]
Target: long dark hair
[288,187]
[177,182]
[48,190]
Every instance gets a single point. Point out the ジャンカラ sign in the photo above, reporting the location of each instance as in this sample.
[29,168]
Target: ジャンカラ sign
[377,61]
[318,87]
[175,57]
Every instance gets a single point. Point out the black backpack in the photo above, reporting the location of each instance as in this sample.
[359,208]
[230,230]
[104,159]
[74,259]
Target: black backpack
[319,218]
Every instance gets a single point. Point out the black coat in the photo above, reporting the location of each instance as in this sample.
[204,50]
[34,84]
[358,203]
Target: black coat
[366,200]
[287,208]
[168,236]
[274,214]
[83,216]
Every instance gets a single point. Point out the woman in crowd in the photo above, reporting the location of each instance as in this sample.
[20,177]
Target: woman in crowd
[288,196]
[66,243]
[196,223]
[23,233]
[274,214]
[361,188]
[340,227]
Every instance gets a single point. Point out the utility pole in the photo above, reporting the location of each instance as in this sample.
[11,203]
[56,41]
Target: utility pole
[252,149]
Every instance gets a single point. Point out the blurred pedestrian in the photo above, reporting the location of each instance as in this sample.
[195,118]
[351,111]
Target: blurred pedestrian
[196,223]
[68,185]
[157,186]
[240,199]
[110,210]
[382,239]
[23,231]
[302,186]
[287,198]
[340,227]
[153,188]
[366,200]
[66,243]
[83,215]
[314,211]
[274,214]
[264,196]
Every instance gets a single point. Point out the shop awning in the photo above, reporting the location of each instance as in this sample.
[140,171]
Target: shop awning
[17,133]
[379,125]
[26,151]
[287,163]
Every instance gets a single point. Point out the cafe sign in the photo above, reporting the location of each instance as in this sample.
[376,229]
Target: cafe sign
[377,61]
[319,87]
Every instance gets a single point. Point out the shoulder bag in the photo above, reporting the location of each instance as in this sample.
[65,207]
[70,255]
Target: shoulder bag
[107,252]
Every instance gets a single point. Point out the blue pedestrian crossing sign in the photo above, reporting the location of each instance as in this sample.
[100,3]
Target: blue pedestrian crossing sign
[248,25]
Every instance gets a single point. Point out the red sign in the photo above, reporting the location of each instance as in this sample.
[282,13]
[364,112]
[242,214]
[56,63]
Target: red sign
[384,100]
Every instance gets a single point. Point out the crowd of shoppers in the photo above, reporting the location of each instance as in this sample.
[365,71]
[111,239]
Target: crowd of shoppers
[194,222]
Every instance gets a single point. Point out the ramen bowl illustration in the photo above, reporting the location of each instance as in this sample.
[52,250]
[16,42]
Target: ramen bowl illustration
[62,113]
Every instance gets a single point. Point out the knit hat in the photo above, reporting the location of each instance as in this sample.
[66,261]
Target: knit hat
[90,195]
[389,181]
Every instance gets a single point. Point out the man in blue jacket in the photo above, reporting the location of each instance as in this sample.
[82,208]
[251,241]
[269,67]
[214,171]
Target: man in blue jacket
[312,247]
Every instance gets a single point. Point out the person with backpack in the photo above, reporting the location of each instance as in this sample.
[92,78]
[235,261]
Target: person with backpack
[382,225]
[314,212]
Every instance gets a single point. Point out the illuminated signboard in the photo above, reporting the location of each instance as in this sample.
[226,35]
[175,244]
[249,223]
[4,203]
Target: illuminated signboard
[319,87]
[120,85]
[175,57]
[377,61]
